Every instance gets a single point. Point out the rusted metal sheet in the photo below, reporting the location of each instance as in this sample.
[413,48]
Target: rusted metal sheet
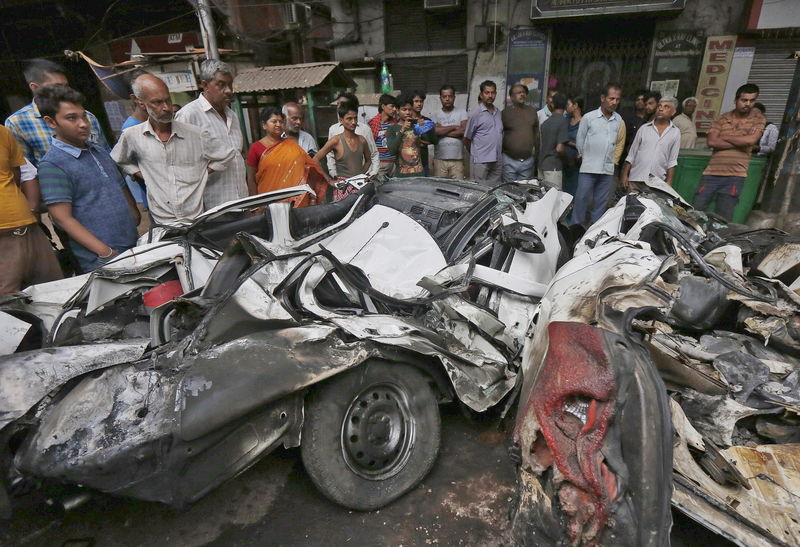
[271,78]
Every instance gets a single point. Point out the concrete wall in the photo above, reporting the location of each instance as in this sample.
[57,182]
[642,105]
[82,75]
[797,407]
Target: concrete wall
[489,61]
[714,17]
[370,16]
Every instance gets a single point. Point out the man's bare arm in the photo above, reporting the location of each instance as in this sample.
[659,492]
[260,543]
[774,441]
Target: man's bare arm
[444,130]
[459,131]
[745,140]
[713,140]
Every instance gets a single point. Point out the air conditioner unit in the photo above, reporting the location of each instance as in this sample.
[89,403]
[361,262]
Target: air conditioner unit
[441,4]
[293,15]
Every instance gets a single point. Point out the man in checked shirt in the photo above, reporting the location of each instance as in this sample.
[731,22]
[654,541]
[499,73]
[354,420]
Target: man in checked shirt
[174,158]
[28,125]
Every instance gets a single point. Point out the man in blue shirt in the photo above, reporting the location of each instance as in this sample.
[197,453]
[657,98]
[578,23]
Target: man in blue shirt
[84,191]
[483,137]
[28,125]
[600,140]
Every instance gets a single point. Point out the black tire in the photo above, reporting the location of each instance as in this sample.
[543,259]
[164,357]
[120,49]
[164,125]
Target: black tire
[371,434]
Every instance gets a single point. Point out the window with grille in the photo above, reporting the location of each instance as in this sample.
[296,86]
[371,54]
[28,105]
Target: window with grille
[429,73]
[408,27]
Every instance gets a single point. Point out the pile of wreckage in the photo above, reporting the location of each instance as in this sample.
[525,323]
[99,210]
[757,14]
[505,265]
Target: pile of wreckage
[655,361]
[665,367]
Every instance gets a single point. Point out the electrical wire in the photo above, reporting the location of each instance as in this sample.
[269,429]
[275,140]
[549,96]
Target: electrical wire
[707,269]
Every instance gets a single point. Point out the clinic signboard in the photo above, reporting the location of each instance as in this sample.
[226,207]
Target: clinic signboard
[527,62]
[714,70]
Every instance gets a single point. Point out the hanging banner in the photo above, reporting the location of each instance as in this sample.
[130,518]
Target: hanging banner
[714,72]
[527,62]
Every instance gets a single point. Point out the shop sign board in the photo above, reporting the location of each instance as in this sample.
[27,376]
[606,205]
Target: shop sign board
[676,62]
[179,80]
[551,9]
[714,70]
[527,62]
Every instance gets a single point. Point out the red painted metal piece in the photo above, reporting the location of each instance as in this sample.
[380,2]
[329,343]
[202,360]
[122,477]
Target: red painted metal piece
[574,400]
[162,293]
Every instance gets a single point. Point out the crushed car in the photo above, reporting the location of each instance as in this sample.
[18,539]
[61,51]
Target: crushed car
[337,328]
[109,304]
[663,370]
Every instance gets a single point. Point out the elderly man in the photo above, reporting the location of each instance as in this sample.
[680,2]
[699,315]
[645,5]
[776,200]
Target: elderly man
[294,128]
[685,124]
[655,148]
[211,112]
[27,124]
[173,157]
[483,137]
[361,129]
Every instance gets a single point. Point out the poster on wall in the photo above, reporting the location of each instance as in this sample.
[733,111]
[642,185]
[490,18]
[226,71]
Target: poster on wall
[676,57]
[714,72]
[527,62]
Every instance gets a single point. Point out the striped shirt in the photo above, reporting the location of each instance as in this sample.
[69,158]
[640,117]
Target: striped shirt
[176,171]
[88,179]
[225,185]
[33,133]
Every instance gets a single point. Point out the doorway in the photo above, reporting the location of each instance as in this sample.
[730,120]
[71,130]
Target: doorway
[586,55]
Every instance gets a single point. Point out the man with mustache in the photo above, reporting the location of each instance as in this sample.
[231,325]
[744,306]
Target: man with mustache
[483,137]
[212,112]
[173,157]
[732,137]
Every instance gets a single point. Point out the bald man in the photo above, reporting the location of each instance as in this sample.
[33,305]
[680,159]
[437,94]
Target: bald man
[294,128]
[172,157]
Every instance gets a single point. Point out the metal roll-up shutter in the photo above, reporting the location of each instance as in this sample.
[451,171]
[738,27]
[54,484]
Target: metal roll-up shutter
[772,71]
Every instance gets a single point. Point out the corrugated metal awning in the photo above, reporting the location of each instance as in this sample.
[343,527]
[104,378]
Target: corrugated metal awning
[273,78]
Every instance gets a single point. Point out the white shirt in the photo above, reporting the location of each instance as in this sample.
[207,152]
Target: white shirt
[653,154]
[363,130]
[449,148]
[543,114]
[768,140]
[175,172]
[226,185]
[305,141]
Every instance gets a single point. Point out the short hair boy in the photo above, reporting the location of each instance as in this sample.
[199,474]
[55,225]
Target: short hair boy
[81,185]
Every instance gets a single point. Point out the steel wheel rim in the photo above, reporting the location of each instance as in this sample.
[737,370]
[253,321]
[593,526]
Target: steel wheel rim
[378,432]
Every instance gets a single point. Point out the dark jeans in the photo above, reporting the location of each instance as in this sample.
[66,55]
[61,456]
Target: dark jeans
[594,190]
[726,190]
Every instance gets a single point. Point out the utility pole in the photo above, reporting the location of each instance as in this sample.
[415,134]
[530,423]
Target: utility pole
[207,29]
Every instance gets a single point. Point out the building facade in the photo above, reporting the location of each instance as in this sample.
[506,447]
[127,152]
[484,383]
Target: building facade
[575,46]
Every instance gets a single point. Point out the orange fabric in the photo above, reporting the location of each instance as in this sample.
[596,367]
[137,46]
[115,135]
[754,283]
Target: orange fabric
[284,165]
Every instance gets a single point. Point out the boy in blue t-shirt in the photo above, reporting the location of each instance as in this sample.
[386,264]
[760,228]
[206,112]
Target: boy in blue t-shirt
[81,185]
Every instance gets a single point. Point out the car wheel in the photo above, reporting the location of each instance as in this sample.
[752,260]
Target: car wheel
[371,434]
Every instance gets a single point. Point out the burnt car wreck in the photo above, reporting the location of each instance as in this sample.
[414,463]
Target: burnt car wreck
[655,362]
[663,370]
[337,328]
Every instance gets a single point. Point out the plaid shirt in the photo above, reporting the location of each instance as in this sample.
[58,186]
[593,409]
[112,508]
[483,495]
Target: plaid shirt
[33,133]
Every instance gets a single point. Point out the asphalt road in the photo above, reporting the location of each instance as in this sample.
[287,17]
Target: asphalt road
[464,501]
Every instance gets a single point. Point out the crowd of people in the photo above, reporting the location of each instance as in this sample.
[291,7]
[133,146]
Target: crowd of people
[54,157]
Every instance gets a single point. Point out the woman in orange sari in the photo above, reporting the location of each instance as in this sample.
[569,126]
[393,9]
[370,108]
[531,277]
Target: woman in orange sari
[277,162]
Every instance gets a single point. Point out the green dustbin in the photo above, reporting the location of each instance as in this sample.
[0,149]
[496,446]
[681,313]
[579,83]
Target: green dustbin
[689,170]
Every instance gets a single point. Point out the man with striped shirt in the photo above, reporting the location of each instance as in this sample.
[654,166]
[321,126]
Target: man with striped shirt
[84,191]
[28,125]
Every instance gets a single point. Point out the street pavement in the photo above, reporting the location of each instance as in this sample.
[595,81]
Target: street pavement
[464,501]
